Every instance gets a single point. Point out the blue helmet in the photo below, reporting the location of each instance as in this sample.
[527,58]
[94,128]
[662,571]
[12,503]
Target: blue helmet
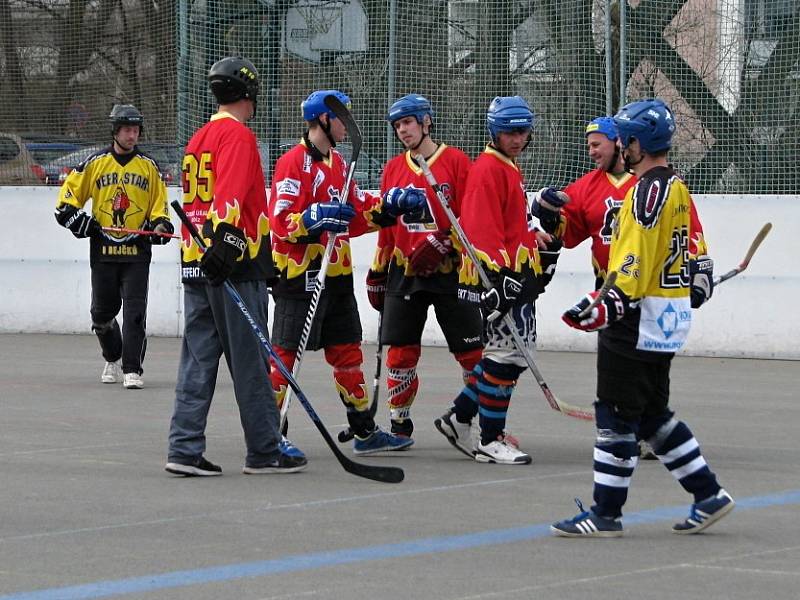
[314,105]
[508,113]
[604,125]
[412,105]
[650,121]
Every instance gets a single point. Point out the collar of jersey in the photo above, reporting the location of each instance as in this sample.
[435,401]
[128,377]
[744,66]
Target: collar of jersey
[223,115]
[328,160]
[501,157]
[618,181]
[412,164]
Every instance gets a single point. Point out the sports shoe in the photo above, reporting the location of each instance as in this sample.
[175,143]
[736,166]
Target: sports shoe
[380,441]
[646,451]
[457,433]
[193,467]
[704,513]
[587,524]
[287,447]
[132,381]
[112,373]
[284,463]
[501,452]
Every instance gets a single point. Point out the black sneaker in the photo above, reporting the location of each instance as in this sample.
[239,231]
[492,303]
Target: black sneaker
[284,463]
[193,467]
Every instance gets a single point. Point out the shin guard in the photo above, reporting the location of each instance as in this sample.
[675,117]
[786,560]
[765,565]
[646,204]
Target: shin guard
[346,360]
[616,454]
[279,383]
[678,450]
[468,360]
[401,381]
[495,385]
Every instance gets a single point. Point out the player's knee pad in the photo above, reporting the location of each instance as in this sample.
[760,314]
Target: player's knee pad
[287,358]
[103,327]
[468,359]
[350,386]
[344,356]
[403,357]
[499,370]
[615,436]
[280,395]
[655,429]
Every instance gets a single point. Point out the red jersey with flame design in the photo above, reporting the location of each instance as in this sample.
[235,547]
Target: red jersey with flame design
[450,167]
[223,182]
[496,220]
[298,182]
[594,203]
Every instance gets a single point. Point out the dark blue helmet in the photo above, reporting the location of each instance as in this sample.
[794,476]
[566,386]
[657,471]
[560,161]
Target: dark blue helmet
[650,121]
[508,113]
[314,105]
[412,105]
[604,125]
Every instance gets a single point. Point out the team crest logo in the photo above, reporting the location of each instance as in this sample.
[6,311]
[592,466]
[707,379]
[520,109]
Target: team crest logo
[119,204]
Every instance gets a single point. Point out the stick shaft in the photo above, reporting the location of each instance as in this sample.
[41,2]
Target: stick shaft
[140,232]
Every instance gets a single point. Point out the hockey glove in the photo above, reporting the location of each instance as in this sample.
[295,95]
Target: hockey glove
[503,294]
[398,201]
[164,227]
[549,257]
[328,216]
[546,206]
[610,309]
[431,252]
[220,258]
[701,273]
[78,222]
[376,289]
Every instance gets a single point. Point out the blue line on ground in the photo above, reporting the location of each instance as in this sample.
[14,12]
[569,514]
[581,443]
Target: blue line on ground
[318,560]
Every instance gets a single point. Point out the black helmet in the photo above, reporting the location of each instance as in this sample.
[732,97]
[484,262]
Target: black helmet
[233,78]
[125,114]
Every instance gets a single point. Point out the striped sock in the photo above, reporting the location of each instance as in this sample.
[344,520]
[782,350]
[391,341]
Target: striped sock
[678,450]
[615,458]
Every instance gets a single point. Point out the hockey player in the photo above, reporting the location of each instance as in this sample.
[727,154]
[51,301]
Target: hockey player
[305,208]
[225,196]
[595,199]
[415,262]
[643,321]
[496,220]
[127,191]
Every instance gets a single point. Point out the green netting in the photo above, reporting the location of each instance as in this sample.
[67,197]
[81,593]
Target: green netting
[729,68]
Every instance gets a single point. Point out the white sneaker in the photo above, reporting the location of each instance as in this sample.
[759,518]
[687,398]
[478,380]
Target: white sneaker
[460,435]
[501,452]
[133,381]
[112,373]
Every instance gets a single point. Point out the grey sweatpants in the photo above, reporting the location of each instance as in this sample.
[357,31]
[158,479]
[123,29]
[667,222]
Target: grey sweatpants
[214,325]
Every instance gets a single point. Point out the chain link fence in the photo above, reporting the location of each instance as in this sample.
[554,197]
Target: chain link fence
[729,68]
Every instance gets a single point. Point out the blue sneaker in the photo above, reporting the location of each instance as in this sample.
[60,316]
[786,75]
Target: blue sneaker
[704,513]
[288,448]
[587,524]
[380,441]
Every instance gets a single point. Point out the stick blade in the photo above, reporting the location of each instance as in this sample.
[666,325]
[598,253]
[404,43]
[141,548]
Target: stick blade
[756,243]
[373,472]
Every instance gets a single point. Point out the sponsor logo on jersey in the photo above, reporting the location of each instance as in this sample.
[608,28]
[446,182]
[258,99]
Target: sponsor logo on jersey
[664,324]
[307,162]
[319,177]
[282,205]
[288,187]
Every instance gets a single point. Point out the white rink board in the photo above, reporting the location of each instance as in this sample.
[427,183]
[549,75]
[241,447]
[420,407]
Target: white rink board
[45,275]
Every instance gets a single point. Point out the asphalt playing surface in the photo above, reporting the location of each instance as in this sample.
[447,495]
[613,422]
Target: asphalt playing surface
[87,511]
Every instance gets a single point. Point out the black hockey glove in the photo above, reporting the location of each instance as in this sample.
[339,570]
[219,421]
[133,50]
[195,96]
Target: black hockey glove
[549,257]
[220,259]
[78,222]
[701,274]
[546,206]
[164,227]
[504,293]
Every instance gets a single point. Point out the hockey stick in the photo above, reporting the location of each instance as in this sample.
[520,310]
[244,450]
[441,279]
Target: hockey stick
[347,434]
[354,133]
[140,232]
[747,257]
[611,279]
[376,473]
[555,403]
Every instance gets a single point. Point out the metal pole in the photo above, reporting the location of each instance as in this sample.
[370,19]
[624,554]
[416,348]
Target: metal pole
[609,62]
[623,43]
[391,72]
[182,96]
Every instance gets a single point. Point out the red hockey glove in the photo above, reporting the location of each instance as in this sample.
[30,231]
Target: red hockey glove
[431,252]
[610,309]
[376,289]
